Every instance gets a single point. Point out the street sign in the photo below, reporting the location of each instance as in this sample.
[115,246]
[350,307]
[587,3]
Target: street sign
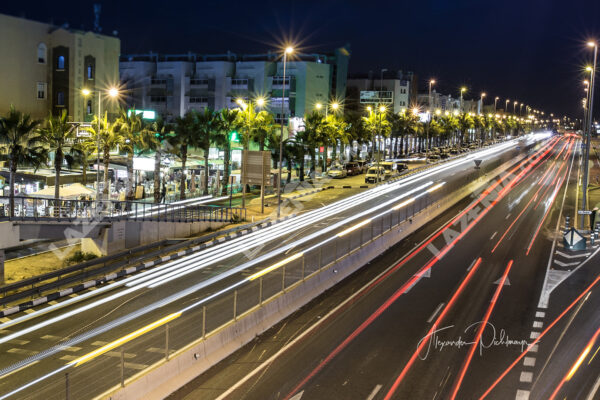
[256,167]
[584,212]
[573,240]
[477,163]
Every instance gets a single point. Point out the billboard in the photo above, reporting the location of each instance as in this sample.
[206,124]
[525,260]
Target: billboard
[256,167]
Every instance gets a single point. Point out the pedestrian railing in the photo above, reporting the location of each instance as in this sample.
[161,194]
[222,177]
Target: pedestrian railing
[40,209]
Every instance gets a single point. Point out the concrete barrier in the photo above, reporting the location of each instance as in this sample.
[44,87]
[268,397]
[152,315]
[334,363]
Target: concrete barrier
[165,377]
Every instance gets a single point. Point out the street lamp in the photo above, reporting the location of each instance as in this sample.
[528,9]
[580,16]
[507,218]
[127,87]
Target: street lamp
[521,108]
[318,106]
[462,90]
[429,117]
[431,83]
[482,96]
[589,130]
[496,102]
[288,50]
[113,93]
[506,106]
[382,110]
[515,107]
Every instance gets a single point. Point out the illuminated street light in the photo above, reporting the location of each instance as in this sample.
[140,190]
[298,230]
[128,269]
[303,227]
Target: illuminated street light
[318,106]
[288,50]
[590,111]
[462,90]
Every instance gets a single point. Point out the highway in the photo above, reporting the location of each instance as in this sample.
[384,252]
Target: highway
[43,340]
[443,320]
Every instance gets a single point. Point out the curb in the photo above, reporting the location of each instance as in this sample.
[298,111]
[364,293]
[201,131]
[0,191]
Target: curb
[131,270]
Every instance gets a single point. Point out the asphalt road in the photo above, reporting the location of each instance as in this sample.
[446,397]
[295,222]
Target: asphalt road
[369,349]
[49,336]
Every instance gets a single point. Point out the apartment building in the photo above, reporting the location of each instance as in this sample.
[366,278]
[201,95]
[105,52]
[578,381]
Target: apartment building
[395,89]
[44,67]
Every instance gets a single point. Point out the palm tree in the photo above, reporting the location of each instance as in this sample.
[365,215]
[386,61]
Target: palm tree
[314,126]
[337,129]
[185,137]
[161,130]
[81,151]
[109,137]
[464,122]
[207,129]
[377,124]
[406,123]
[228,122]
[449,126]
[264,127]
[19,134]
[130,126]
[58,135]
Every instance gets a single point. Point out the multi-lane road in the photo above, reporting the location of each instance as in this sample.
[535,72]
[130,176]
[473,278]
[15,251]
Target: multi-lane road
[456,316]
[448,282]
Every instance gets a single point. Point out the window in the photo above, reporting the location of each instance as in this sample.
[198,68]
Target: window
[90,72]
[41,90]
[198,100]
[278,80]
[198,81]
[89,107]
[60,99]
[158,99]
[239,81]
[41,53]
[60,62]
[156,81]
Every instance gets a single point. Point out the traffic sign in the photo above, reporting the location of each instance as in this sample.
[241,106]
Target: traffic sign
[584,212]
[477,163]
[573,240]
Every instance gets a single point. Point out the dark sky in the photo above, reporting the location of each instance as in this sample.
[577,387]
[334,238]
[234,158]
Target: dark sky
[529,50]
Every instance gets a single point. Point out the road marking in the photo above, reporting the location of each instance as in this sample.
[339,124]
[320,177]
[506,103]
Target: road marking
[534,335]
[538,324]
[72,348]
[522,395]
[298,396]
[562,264]
[51,337]
[540,314]
[472,264]
[68,358]
[29,311]
[18,342]
[374,392]
[493,235]
[560,253]
[592,394]
[534,348]
[52,302]
[135,366]
[99,343]
[21,351]
[4,320]
[118,354]
[526,377]
[262,354]
[529,361]
[507,216]
[437,310]
[506,281]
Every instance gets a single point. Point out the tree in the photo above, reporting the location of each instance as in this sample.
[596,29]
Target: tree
[207,128]
[377,125]
[185,137]
[161,130]
[228,123]
[109,137]
[81,151]
[464,122]
[135,134]
[19,134]
[314,126]
[336,129]
[263,129]
[58,136]
[406,124]
[448,126]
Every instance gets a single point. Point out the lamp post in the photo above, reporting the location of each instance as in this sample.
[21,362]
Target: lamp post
[381,79]
[589,131]
[429,117]
[496,103]
[288,50]
[113,93]
[481,100]
[521,109]
[506,106]
[381,112]
[515,107]
[462,90]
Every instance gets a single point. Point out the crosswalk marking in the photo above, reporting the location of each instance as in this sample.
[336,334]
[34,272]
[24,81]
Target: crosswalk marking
[22,351]
[526,377]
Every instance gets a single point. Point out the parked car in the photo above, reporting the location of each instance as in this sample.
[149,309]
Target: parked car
[352,168]
[390,167]
[375,174]
[337,172]
[401,167]
[434,157]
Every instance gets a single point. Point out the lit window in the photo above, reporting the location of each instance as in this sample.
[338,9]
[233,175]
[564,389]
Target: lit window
[60,62]
[90,72]
[41,53]
[60,99]
[41,90]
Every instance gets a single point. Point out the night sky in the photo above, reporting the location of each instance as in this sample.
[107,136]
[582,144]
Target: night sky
[529,50]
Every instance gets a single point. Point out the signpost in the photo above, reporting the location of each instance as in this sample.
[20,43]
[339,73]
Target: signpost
[255,171]
[573,240]
[477,163]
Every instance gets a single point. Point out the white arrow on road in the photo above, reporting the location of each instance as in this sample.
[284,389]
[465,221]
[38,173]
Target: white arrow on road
[506,282]
[297,396]
[562,264]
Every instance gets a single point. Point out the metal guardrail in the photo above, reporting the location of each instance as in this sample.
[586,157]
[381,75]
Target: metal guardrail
[43,209]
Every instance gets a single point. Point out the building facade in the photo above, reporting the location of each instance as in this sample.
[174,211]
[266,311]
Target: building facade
[438,102]
[44,67]
[393,89]
[173,84]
